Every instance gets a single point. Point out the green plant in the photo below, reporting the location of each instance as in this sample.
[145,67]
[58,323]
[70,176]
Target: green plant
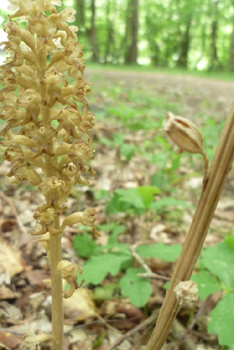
[116,257]
[216,273]
[141,200]
[127,149]
[47,129]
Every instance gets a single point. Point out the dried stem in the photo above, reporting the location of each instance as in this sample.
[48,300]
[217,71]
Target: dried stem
[205,168]
[56,292]
[193,244]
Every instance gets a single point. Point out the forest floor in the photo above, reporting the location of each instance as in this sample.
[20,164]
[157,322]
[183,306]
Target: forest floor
[131,153]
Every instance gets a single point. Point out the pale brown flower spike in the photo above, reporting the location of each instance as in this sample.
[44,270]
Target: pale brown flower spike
[45,129]
[186,135]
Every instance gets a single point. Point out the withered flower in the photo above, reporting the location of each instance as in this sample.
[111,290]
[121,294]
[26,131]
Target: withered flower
[68,273]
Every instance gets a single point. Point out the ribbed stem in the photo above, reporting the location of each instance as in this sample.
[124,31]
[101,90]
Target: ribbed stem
[208,201]
[55,256]
[56,290]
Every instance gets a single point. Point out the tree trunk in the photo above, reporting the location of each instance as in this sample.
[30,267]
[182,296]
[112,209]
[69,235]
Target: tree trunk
[184,45]
[132,25]
[214,37]
[93,34]
[80,13]
[110,43]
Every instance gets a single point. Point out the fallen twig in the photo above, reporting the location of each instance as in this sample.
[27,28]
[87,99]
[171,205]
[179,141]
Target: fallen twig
[139,327]
[148,273]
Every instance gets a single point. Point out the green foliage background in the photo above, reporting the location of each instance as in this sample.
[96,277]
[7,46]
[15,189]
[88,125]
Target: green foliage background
[173,33]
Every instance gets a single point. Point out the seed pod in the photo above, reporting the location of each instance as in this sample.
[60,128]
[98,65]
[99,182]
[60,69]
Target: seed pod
[183,133]
[186,135]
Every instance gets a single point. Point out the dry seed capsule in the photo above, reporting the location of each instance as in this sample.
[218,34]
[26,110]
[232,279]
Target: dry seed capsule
[183,133]
[186,135]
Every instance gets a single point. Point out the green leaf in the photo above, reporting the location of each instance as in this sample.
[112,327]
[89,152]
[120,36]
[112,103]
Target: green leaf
[128,150]
[175,162]
[114,205]
[84,245]
[114,235]
[101,194]
[105,141]
[136,288]
[115,247]
[136,126]
[160,251]
[119,139]
[147,194]
[97,268]
[132,199]
[222,320]
[105,292]
[206,284]
[159,179]
[106,227]
[131,196]
[161,158]
[168,202]
[230,241]
[220,261]
[166,285]
[162,142]
[99,340]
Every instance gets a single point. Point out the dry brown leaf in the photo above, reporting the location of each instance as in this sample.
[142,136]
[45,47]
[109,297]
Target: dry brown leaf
[80,306]
[35,300]
[9,314]
[113,335]
[6,293]
[131,311]
[8,340]
[10,259]
[7,225]
[35,277]
[3,347]
[37,323]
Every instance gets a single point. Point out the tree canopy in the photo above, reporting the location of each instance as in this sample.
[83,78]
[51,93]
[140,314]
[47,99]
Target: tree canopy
[171,33]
